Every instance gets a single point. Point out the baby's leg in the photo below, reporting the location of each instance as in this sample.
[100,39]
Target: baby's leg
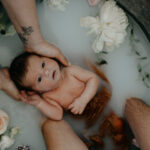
[60,136]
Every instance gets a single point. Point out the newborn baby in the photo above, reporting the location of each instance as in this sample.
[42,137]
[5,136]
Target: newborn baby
[53,86]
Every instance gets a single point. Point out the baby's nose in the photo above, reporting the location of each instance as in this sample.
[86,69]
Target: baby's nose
[46,72]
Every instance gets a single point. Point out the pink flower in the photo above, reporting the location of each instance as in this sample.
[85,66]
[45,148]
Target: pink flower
[4,120]
[93,2]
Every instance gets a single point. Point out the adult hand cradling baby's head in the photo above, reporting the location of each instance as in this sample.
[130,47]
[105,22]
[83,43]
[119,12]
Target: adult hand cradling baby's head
[46,49]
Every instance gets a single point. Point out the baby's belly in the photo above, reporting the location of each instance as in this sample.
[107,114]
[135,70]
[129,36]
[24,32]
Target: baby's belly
[66,99]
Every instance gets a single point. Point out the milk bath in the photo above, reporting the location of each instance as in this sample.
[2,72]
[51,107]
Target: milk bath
[63,30]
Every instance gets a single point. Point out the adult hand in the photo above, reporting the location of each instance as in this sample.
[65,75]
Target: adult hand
[32,99]
[46,49]
[7,85]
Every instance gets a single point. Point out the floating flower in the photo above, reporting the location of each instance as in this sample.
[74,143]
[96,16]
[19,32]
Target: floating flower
[109,27]
[59,4]
[93,2]
[14,131]
[4,120]
[6,142]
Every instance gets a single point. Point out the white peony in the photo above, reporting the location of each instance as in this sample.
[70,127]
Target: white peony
[59,4]
[109,27]
[4,120]
[6,142]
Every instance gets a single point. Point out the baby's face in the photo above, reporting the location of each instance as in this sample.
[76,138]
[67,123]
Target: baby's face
[43,74]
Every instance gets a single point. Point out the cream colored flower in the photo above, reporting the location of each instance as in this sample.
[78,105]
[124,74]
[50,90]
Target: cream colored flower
[6,142]
[14,131]
[4,120]
[59,4]
[109,27]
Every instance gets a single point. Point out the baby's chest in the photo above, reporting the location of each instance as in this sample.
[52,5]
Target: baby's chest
[68,91]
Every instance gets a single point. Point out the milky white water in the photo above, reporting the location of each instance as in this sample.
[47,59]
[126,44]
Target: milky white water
[63,29]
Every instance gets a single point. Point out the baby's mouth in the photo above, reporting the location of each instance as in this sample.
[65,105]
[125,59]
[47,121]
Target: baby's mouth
[54,73]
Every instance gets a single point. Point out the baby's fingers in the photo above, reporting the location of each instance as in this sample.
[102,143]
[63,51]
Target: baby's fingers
[23,99]
[24,94]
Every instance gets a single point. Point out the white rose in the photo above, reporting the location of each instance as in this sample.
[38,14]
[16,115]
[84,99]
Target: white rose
[4,120]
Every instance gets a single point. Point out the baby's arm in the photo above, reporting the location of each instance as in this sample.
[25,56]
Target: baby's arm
[91,81]
[49,108]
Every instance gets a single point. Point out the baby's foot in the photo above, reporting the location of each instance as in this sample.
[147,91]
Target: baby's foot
[93,2]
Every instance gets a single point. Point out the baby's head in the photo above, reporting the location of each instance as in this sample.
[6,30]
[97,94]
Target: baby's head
[33,72]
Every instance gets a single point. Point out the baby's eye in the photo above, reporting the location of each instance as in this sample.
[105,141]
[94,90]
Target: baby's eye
[43,64]
[39,79]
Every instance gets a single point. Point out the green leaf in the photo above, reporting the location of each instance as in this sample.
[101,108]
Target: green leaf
[104,52]
[139,68]
[102,62]
[137,53]
[143,58]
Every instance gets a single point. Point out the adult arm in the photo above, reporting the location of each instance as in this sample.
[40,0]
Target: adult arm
[24,18]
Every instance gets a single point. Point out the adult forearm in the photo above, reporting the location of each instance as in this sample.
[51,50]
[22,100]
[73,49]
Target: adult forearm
[24,18]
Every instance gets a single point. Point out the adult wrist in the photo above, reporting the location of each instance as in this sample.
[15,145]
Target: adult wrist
[33,44]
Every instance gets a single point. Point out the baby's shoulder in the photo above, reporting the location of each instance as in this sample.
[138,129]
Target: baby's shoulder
[73,68]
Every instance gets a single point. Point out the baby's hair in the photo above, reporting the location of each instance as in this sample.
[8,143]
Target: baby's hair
[18,69]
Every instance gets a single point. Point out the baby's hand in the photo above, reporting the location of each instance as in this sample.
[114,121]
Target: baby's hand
[32,99]
[78,106]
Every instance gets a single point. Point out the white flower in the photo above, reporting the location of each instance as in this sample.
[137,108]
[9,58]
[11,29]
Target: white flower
[6,142]
[14,131]
[109,27]
[59,4]
[4,120]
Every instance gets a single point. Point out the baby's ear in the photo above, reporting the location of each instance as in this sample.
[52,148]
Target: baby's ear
[31,93]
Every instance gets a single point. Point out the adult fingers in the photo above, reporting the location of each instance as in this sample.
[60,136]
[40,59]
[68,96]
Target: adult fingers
[62,59]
